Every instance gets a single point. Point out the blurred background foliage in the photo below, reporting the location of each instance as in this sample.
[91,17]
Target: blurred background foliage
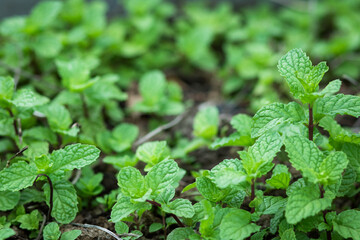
[236,43]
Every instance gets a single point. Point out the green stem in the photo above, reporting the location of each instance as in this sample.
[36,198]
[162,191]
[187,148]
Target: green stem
[322,192]
[252,197]
[84,105]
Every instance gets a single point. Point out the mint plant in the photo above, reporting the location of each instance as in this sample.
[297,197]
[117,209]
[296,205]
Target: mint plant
[60,194]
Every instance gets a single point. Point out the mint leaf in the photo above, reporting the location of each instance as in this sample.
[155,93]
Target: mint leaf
[337,132]
[352,152]
[153,152]
[305,202]
[208,189]
[6,89]
[5,233]
[337,104]
[236,225]
[75,74]
[152,87]
[347,224]
[306,157]
[280,178]
[180,207]
[273,116]
[228,176]
[47,45]
[180,234]
[258,160]
[272,205]
[65,201]
[123,137]
[124,207]
[288,234]
[51,231]
[315,75]
[242,123]
[26,98]
[332,88]
[131,182]
[332,167]
[73,156]
[58,117]
[18,176]
[30,221]
[206,123]
[154,227]
[44,14]
[294,67]
[161,175]
[70,235]
[8,200]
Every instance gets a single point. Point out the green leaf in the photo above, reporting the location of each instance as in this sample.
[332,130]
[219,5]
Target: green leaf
[70,235]
[288,235]
[315,76]
[18,176]
[5,233]
[131,182]
[280,178]
[338,133]
[152,87]
[206,123]
[8,200]
[236,225]
[347,182]
[347,224]
[274,116]
[352,152]
[75,74]
[30,221]
[332,167]
[208,189]
[153,152]
[51,231]
[180,234]
[73,156]
[306,157]
[121,227]
[123,137]
[242,123]
[228,176]
[258,160]
[161,175]
[26,98]
[235,139]
[154,227]
[305,202]
[337,104]
[58,117]
[6,88]
[47,45]
[166,195]
[44,14]
[272,205]
[65,201]
[180,207]
[332,88]
[123,208]
[294,67]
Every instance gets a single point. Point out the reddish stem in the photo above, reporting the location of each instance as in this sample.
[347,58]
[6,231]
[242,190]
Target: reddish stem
[172,215]
[51,193]
[311,123]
